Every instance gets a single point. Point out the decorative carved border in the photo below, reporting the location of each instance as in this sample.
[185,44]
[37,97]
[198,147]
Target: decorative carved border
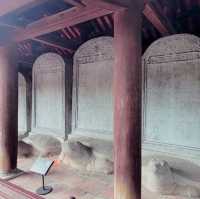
[184,56]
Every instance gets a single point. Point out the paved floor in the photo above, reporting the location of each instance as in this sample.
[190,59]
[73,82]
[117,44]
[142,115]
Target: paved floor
[67,182]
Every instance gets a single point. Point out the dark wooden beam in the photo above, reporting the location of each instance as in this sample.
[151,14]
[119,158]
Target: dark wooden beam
[71,32]
[59,21]
[67,35]
[107,4]
[100,22]
[77,31]
[75,3]
[108,22]
[52,45]
[40,40]
[157,20]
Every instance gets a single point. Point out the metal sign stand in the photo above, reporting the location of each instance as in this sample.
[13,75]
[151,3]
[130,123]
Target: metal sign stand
[43,190]
[42,166]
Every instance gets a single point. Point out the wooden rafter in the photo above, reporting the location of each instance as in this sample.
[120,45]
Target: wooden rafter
[77,31]
[158,21]
[109,23]
[40,40]
[52,45]
[75,3]
[106,4]
[101,24]
[66,34]
[59,21]
[71,32]
[91,9]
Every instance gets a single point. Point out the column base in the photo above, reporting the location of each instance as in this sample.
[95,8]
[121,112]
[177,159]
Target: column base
[10,175]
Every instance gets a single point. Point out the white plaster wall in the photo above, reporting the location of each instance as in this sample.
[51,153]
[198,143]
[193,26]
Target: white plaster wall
[171,111]
[48,110]
[92,88]
[22,105]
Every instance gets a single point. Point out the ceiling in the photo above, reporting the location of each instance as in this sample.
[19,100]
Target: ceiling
[160,18]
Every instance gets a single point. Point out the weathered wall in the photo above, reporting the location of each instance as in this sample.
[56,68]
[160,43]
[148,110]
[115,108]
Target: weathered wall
[172,95]
[92,88]
[22,105]
[48,110]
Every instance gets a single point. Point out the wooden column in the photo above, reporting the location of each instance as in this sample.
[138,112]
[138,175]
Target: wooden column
[127,102]
[8,111]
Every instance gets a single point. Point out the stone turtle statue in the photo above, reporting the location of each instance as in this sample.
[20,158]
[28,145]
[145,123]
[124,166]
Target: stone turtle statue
[159,178]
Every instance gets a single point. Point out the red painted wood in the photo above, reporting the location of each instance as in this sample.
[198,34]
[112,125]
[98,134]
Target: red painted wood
[59,21]
[108,22]
[71,32]
[155,19]
[100,22]
[77,31]
[8,110]
[114,6]
[127,103]
[67,35]
[75,3]
[18,190]
[52,45]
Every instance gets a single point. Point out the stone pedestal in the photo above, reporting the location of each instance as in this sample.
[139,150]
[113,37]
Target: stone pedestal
[8,112]
[127,102]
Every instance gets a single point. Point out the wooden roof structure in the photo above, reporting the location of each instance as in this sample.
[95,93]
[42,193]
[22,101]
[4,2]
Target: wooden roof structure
[40,26]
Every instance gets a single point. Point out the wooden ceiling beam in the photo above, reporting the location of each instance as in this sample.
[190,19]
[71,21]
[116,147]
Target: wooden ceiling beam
[52,45]
[158,21]
[40,40]
[59,21]
[76,3]
[106,4]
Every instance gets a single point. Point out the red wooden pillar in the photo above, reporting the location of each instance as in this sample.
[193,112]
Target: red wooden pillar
[8,111]
[127,102]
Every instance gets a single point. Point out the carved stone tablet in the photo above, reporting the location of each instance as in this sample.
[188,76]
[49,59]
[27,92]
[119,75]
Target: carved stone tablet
[92,88]
[48,110]
[172,94]
[22,105]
